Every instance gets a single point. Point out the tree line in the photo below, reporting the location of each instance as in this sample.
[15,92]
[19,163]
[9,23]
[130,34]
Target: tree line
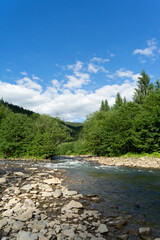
[127,126]
[27,134]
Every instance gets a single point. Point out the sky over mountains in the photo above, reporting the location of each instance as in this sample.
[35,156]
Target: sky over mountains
[63,58]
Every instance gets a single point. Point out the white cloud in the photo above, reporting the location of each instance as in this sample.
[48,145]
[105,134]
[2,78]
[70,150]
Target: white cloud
[77,80]
[92,68]
[150,51]
[71,106]
[127,73]
[8,70]
[24,73]
[100,60]
[28,83]
[76,67]
[35,77]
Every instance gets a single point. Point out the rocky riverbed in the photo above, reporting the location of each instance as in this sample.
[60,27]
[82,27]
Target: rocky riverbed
[36,204]
[141,162]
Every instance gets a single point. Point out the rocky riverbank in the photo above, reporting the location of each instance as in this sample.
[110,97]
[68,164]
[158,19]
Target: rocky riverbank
[142,162]
[37,205]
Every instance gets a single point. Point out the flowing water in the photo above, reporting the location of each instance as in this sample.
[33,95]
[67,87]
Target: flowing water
[136,191]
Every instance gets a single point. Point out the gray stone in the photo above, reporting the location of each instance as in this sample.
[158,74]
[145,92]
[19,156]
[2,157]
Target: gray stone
[8,213]
[72,204]
[3,180]
[26,215]
[118,222]
[22,235]
[27,187]
[46,194]
[29,203]
[145,231]
[19,174]
[69,233]
[53,180]
[102,228]
[17,226]
[3,222]
[57,193]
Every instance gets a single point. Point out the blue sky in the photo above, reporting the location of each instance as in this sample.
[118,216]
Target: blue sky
[63,57]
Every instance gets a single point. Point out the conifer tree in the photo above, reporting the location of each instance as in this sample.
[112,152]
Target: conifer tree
[144,86]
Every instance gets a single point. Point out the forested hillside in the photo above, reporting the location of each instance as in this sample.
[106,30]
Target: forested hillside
[125,127]
[132,126]
[27,134]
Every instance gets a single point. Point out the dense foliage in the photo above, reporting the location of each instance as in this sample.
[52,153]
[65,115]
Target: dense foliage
[125,127]
[29,135]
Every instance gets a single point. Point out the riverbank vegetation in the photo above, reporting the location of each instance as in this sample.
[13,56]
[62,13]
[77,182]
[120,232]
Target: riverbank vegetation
[132,126]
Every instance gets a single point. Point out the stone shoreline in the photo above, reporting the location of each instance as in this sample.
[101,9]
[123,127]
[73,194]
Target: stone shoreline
[142,162]
[36,204]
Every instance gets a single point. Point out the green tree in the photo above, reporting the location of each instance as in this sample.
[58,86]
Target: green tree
[144,87]
[104,106]
[118,101]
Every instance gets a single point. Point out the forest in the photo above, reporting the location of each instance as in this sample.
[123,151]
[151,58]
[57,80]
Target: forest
[126,127]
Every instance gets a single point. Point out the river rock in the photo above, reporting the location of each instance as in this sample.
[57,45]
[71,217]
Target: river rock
[46,194]
[27,187]
[26,215]
[57,193]
[3,222]
[22,235]
[72,204]
[69,233]
[145,231]
[3,180]
[17,226]
[53,180]
[102,228]
[29,203]
[19,174]
[118,222]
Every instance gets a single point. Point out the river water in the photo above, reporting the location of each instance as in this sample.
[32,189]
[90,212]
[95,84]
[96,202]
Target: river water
[135,191]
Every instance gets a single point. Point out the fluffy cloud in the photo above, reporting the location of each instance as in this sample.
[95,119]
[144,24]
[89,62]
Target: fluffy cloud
[127,73]
[28,83]
[151,51]
[35,77]
[92,68]
[70,106]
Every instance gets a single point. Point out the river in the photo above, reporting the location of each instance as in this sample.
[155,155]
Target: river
[124,190]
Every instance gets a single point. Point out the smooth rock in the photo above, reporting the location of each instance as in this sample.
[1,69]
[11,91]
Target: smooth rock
[3,180]
[46,194]
[102,229]
[53,180]
[57,193]
[69,233]
[118,222]
[145,231]
[72,204]
[26,236]
[3,222]
[29,203]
